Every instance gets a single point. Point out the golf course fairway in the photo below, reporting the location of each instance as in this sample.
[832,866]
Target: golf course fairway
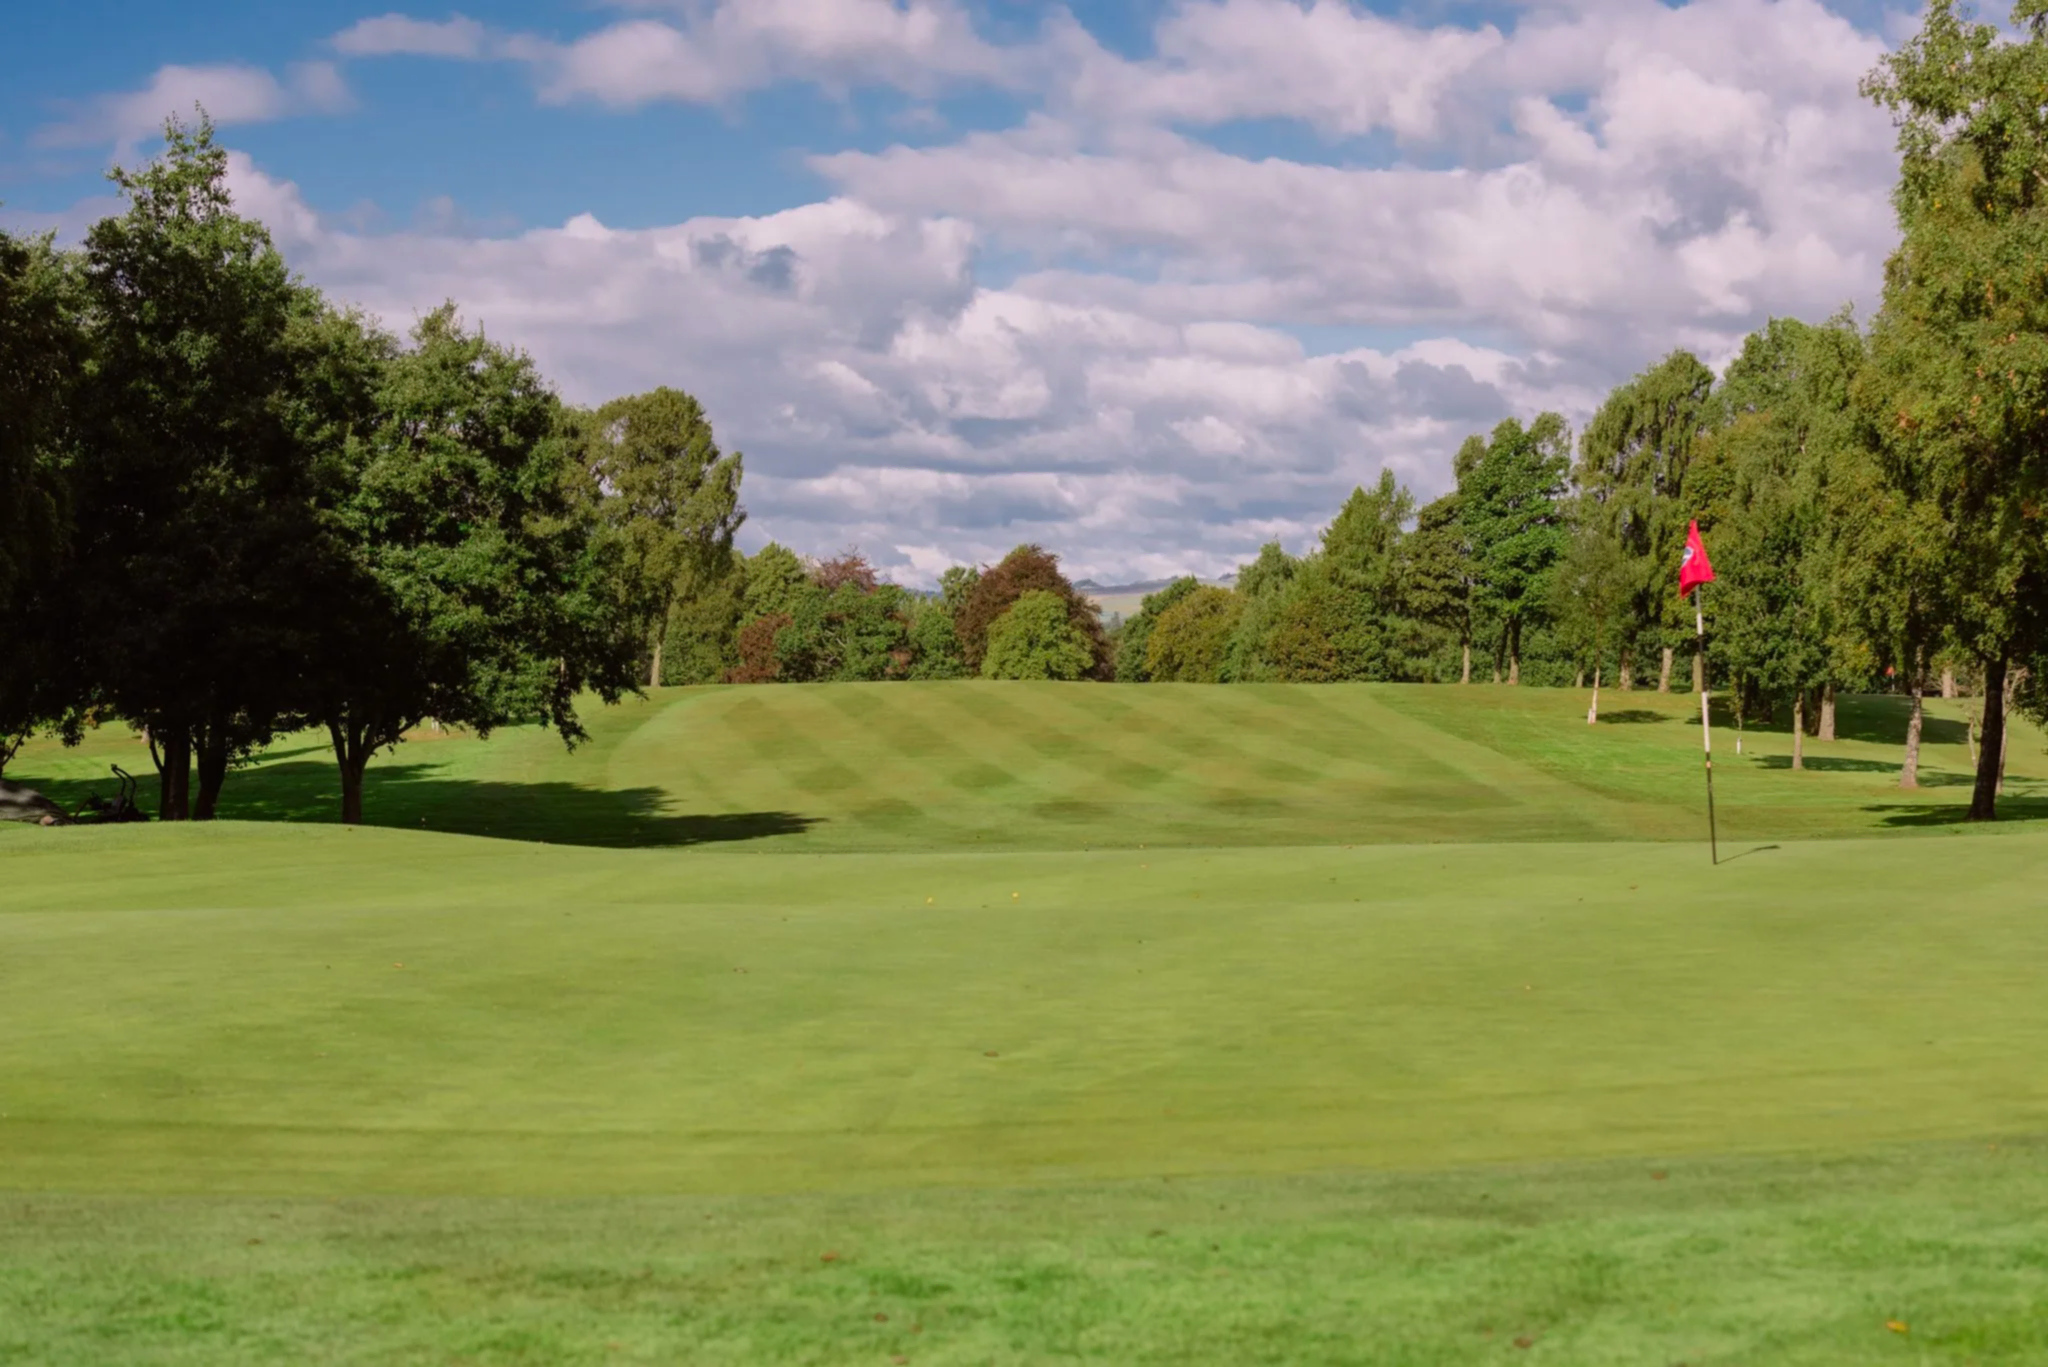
[1487,1066]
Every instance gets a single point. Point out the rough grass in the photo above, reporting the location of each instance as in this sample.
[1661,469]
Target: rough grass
[1046,1095]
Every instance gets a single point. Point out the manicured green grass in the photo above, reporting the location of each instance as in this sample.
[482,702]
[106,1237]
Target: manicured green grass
[1787,1262]
[1063,1061]
[977,766]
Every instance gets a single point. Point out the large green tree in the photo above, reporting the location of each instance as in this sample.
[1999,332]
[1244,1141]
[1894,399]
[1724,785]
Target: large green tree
[1438,576]
[1188,642]
[1026,569]
[466,580]
[195,534]
[1510,508]
[42,350]
[663,488]
[1133,641]
[1035,638]
[1959,348]
[1633,459]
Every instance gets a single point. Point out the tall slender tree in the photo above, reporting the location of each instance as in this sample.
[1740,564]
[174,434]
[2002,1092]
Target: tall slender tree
[661,486]
[1511,511]
[1960,345]
[1632,461]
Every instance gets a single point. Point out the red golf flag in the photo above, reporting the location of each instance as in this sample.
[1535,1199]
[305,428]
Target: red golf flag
[1694,569]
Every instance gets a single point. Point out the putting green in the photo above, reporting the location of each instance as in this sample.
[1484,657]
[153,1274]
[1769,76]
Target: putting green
[330,1010]
[1075,1024]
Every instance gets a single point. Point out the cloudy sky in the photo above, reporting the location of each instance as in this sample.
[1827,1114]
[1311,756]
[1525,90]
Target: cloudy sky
[1148,281]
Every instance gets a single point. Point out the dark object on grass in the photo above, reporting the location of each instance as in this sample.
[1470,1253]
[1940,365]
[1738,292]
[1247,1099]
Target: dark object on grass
[19,802]
[122,808]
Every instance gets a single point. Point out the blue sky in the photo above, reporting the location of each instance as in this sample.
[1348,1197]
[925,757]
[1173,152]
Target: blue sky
[1148,282]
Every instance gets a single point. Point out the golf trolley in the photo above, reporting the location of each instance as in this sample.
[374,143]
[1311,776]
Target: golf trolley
[122,808]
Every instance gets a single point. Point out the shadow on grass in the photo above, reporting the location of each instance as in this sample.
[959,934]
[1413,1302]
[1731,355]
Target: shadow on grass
[1915,815]
[1834,764]
[1756,849]
[1634,716]
[414,796]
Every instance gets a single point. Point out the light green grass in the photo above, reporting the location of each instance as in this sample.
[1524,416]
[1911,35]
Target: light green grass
[978,766]
[1060,1100]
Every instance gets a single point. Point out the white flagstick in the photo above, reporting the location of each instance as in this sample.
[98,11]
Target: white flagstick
[1699,623]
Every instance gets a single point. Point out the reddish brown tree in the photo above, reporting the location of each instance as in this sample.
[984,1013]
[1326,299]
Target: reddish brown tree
[1020,572]
[848,567]
[756,649]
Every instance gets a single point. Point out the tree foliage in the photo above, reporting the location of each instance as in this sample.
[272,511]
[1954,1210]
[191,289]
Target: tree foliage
[1027,569]
[1035,638]
[1191,637]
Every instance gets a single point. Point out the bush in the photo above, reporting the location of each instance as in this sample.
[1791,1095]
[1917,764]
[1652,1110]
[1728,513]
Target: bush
[1035,639]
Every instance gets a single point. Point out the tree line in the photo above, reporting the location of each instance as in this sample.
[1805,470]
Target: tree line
[232,508]
[1872,496]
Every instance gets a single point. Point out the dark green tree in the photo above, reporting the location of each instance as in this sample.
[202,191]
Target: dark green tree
[1959,349]
[1633,459]
[195,534]
[1438,576]
[468,582]
[1509,506]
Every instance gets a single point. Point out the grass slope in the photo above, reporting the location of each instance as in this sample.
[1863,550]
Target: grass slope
[980,766]
[278,1093]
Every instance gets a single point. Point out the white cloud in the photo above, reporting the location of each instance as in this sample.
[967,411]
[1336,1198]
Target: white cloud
[229,94]
[397,35]
[1522,216]
[708,55]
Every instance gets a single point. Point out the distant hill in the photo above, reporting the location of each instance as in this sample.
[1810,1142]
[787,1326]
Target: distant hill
[1119,601]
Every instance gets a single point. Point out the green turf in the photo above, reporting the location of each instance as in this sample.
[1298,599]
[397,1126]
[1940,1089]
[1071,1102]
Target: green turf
[1048,1095]
[976,766]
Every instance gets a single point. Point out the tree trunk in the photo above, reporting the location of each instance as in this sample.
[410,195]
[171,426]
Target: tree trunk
[1628,673]
[352,792]
[353,746]
[1515,654]
[1798,728]
[1827,712]
[654,670]
[2014,677]
[1593,712]
[1948,681]
[213,771]
[1909,775]
[1984,797]
[1465,673]
[1664,672]
[171,748]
